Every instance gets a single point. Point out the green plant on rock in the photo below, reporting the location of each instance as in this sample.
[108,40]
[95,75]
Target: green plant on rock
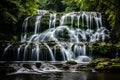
[100,66]
[106,65]
[103,49]
[117,60]
[95,62]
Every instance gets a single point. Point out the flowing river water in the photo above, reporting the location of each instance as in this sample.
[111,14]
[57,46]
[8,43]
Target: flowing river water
[63,76]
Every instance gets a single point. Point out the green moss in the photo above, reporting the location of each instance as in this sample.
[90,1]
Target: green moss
[103,49]
[100,66]
[95,62]
[71,62]
[86,69]
[102,44]
[117,60]
[106,64]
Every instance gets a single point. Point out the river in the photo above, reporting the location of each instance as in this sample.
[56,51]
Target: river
[63,76]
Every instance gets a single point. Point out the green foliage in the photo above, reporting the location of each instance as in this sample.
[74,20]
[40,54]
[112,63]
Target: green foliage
[105,6]
[11,13]
[71,5]
[30,6]
[52,5]
[103,49]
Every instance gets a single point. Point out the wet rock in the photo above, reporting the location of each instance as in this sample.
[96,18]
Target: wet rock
[38,65]
[5,69]
[106,65]
[66,67]
[71,62]
[27,66]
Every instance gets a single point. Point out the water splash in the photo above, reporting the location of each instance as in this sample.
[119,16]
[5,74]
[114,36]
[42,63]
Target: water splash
[48,67]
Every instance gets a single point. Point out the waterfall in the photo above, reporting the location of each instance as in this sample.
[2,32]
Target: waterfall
[51,53]
[18,51]
[69,32]
[52,20]
[37,24]
[5,50]
[25,25]
[78,17]
[37,51]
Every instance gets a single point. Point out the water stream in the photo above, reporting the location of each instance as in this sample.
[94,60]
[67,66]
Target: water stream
[63,76]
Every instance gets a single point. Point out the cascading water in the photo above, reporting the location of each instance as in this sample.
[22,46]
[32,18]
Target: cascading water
[64,39]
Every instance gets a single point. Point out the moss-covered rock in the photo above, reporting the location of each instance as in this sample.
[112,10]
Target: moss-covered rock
[102,66]
[117,60]
[71,62]
[87,69]
[114,68]
[104,49]
[106,65]
[66,67]
[95,62]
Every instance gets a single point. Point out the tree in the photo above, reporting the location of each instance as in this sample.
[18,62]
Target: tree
[11,12]
[71,5]
[52,5]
